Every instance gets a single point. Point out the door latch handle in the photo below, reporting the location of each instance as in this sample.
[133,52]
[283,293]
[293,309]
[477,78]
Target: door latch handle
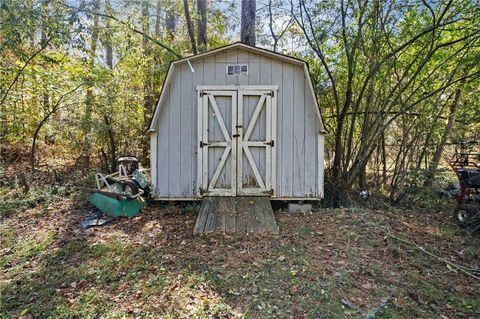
[271,143]
[202,144]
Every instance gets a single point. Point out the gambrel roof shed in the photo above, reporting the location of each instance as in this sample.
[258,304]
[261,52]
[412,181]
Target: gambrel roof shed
[237,120]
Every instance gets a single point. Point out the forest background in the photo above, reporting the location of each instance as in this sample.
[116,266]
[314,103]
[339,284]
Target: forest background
[397,81]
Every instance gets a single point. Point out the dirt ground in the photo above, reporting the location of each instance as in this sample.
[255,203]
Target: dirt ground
[330,263]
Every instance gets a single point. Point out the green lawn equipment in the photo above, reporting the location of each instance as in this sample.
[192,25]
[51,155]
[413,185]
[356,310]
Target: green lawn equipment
[120,193]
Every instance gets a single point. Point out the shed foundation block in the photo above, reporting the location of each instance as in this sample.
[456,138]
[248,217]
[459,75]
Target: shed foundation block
[299,208]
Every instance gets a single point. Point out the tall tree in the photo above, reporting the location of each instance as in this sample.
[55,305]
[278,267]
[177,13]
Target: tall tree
[108,114]
[445,135]
[247,25]
[108,36]
[90,98]
[158,19]
[147,52]
[170,20]
[202,25]
[377,71]
[148,76]
[271,22]
[189,23]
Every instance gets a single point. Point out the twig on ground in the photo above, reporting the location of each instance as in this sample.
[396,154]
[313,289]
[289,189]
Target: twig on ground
[470,272]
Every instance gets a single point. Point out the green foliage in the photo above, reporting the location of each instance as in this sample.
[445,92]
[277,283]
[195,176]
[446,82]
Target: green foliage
[46,53]
[15,200]
[385,74]
[387,82]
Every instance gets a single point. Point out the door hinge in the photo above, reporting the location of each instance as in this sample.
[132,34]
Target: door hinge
[271,93]
[271,143]
[202,144]
[236,135]
[239,126]
[202,93]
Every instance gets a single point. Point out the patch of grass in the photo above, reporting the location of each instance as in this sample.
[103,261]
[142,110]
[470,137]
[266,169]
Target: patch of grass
[7,236]
[421,297]
[22,250]
[317,267]
[306,231]
[449,231]
[92,303]
[15,200]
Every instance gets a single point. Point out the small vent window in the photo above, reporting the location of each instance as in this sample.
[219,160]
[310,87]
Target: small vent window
[237,69]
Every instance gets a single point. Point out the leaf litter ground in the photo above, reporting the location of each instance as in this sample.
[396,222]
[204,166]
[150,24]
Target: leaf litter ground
[330,263]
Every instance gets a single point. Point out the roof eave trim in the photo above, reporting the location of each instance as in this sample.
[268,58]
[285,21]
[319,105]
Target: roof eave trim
[314,97]
[166,83]
[246,47]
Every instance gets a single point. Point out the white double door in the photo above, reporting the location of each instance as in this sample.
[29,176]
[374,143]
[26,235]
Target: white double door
[236,147]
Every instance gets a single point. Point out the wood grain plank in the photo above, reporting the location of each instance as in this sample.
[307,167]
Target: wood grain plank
[311,132]
[163,141]
[202,217]
[175,146]
[277,75]
[286,131]
[187,177]
[298,178]
[240,215]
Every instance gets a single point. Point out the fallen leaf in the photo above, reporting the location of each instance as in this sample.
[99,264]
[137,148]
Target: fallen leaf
[367,286]
[347,303]
[293,290]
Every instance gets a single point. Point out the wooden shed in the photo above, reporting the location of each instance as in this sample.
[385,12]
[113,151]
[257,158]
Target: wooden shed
[237,121]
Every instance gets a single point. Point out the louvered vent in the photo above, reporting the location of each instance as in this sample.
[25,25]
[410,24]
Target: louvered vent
[237,69]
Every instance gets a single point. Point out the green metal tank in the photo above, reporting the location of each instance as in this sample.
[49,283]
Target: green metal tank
[117,207]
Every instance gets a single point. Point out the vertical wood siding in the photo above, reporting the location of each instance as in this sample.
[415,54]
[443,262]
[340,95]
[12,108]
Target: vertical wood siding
[299,147]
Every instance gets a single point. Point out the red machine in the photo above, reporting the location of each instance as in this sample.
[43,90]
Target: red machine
[466,165]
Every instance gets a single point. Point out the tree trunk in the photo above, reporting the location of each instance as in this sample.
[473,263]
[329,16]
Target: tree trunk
[156,78]
[202,25]
[384,159]
[35,137]
[432,169]
[113,145]
[90,99]
[112,148]
[189,23]
[270,25]
[147,82]
[247,25]
[158,19]
[108,37]
[170,21]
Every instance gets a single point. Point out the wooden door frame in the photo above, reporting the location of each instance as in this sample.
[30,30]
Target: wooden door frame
[204,187]
[202,173]
[266,97]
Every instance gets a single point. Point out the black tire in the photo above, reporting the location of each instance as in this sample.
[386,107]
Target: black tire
[466,215]
[130,188]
